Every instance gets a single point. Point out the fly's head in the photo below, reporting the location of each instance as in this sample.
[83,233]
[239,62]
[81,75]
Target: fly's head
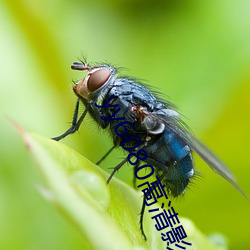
[96,79]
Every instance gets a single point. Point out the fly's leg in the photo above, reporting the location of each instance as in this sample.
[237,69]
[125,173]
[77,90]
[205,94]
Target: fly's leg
[134,180]
[116,169]
[112,174]
[119,166]
[97,114]
[141,218]
[75,124]
[143,204]
[138,164]
[105,155]
[144,198]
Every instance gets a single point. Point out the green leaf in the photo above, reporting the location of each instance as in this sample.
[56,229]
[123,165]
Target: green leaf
[106,215]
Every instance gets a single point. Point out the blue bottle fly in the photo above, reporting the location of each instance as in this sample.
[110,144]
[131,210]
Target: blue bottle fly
[165,138]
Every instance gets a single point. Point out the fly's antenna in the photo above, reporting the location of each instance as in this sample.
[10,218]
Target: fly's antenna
[80,66]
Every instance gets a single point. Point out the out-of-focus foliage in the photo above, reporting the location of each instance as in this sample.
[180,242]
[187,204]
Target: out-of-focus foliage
[197,53]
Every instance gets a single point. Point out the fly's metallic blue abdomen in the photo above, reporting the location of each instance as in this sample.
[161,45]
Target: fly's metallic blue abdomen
[172,160]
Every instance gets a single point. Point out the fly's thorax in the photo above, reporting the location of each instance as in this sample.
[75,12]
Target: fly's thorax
[94,85]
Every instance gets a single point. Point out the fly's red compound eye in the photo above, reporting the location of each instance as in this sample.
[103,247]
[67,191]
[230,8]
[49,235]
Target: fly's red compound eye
[97,79]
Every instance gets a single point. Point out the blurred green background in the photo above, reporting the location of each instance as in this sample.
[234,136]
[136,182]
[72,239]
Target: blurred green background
[196,53]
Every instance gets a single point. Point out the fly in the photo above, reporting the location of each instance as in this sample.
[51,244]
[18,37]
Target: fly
[165,138]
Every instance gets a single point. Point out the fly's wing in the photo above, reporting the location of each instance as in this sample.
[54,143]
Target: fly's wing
[175,124]
[212,160]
